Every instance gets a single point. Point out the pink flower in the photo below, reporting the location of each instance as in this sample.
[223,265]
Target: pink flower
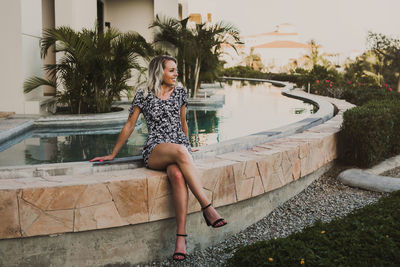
[317,81]
[359,84]
[327,81]
[386,85]
[390,89]
[349,82]
[330,85]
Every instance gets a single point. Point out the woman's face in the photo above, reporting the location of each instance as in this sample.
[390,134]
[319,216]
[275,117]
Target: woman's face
[170,73]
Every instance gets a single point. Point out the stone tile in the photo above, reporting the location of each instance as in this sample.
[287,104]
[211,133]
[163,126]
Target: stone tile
[193,203]
[131,198]
[53,198]
[162,208]
[65,216]
[258,187]
[27,214]
[66,197]
[97,217]
[9,222]
[93,195]
[240,156]
[164,187]
[296,171]
[224,192]
[152,188]
[250,169]
[48,224]
[39,197]
[157,187]
[244,188]
[271,172]
[289,157]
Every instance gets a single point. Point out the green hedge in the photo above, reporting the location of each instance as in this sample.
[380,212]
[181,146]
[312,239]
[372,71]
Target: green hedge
[370,133]
[248,72]
[366,237]
[362,95]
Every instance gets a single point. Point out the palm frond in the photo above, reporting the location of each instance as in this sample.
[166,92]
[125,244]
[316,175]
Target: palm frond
[34,82]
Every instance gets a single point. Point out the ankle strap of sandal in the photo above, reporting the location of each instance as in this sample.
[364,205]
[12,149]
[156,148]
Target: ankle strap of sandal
[206,207]
[181,234]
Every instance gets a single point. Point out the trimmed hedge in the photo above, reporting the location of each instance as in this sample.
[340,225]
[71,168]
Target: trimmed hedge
[361,96]
[248,72]
[366,237]
[370,133]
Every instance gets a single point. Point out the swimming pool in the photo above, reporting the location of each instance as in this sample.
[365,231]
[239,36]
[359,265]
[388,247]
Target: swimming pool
[248,109]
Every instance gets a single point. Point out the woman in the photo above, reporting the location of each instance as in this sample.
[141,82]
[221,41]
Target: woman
[167,146]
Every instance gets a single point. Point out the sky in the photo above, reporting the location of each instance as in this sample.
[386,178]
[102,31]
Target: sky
[337,25]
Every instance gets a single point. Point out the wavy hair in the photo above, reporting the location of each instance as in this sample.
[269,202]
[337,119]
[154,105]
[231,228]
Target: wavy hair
[155,74]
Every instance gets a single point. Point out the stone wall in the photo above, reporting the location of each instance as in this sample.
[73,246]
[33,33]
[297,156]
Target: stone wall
[68,205]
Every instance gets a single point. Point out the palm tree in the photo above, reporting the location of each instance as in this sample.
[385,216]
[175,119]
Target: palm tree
[196,46]
[315,57]
[94,68]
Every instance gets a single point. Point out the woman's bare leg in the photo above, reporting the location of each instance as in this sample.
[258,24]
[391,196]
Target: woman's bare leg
[180,198]
[166,154]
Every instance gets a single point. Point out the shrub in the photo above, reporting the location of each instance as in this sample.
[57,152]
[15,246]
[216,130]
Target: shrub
[362,95]
[370,133]
[248,72]
[366,237]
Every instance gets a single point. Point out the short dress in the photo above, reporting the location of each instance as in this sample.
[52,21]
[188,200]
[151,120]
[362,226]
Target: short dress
[163,119]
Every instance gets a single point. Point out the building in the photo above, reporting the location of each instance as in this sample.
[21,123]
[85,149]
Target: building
[24,20]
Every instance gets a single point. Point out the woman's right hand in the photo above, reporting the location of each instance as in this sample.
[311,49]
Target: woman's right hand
[100,159]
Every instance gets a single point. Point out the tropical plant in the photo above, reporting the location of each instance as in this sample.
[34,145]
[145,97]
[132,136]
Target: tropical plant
[314,57]
[197,47]
[253,60]
[94,67]
[387,49]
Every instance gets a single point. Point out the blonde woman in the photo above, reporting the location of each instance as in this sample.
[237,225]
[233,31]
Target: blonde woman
[167,147]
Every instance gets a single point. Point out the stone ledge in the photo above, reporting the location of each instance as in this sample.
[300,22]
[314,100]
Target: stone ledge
[51,204]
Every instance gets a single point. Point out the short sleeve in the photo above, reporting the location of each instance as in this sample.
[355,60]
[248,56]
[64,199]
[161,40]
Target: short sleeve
[137,101]
[184,97]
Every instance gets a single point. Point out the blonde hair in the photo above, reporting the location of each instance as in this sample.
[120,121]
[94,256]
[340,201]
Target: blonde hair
[155,74]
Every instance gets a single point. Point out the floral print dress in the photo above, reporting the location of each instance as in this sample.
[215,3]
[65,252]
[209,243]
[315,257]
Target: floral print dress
[163,119]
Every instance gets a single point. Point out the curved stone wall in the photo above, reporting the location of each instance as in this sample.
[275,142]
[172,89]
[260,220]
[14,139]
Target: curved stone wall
[51,202]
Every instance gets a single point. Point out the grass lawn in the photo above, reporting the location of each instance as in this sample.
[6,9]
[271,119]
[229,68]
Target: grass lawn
[366,237]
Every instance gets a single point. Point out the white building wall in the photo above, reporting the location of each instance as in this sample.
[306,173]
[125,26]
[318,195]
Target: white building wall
[166,8]
[31,31]
[77,14]
[12,96]
[130,15]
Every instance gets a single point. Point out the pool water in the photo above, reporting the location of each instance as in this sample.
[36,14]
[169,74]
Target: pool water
[248,109]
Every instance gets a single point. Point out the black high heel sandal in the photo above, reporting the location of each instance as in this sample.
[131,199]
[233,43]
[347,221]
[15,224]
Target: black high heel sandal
[179,253]
[214,224]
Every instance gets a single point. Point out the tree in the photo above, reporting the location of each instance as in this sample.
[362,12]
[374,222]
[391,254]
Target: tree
[315,57]
[365,70]
[196,47]
[94,68]
[388,50]
[254,61]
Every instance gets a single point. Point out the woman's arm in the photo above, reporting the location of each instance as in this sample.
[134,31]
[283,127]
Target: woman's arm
[184,124]
[123,136]
[185,127]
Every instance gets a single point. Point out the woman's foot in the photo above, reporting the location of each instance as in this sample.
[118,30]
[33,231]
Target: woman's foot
[212,217]
[180,247]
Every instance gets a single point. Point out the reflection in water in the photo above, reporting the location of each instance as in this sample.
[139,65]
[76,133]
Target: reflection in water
[203,127]
[247,110]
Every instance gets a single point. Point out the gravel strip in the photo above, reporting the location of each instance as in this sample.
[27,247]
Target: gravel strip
[325,199]
[395,173]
